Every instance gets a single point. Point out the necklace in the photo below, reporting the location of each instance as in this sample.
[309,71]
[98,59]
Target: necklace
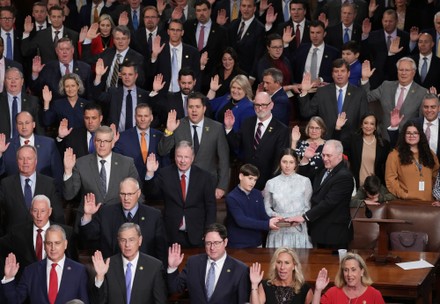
[369,142]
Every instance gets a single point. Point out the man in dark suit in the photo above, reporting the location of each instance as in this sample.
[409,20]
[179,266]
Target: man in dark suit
[99,173]
[260,140]
[188,194]
[321,70]
[332,10]
[148,285]
[42,43]
[66,280]
[115,56]
[13,100]
[207,36]
[90,12]
[211,277]
[121,100]
[9,34]
[246,36]
[178,9]
[102,223]
[6,64]
[273,85]
[331,101]
[51,73]
[208,138]
[346,30]
[168,59]
[39,15]
[81,140]
[141,140]
[49,160]
[427,63]
[129,14]
[26,240]
[18,189]
[385,47]
[226,11]
[329,216]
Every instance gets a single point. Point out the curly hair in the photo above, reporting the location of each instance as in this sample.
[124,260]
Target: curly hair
[376,132]
[406,156]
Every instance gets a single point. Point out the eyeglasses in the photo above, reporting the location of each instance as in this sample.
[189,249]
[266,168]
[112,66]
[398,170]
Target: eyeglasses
[100,141]
[123,194]
[215,244]
[412,133]
[314,128]
[127,241]
[261,105]
[7,18]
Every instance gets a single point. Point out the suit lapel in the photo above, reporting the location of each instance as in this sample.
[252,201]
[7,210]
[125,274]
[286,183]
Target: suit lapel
[114,174]
[153,141]
[42,273]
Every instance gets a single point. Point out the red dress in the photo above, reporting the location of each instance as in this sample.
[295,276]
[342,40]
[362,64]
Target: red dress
[336,295]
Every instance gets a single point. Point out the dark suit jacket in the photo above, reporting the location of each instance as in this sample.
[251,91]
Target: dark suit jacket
[332,9]
[48,159]
[232,285]
[20,242]
[199,207]
[432,77]
[28,103]
[149,285]
[85,14]
[42,44]
[325,104]
[330,213]
[114,98]
[213,153]
[50,75]
[223,4]
[190,59]
[33,284]
[77,140]
[275,139]
[17,46]
[105,224]
[129,145]
[126,8]
[334,36]
[326,67]
[251,47]
[13,204]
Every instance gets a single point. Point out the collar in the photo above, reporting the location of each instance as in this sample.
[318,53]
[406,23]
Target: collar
[123,53]
[266,122]
[207,24]
[133,262]
[31,139]
[108,159]
[429,56]
[199,124]
[219,262]
[147,131]
[406,87]
[61,29]
[433,123]
[320,47]
[33,178]
[343,87]
[393,34]
[249,21]
[244,191]
[60,262]
[187,172]
[44,228]
[179,47]
[132,210]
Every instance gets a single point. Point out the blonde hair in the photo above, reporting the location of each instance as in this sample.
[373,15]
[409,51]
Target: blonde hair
[365,278]
[243,82]
[297,275]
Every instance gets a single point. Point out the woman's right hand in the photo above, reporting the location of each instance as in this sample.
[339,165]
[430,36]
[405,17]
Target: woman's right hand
[296,134]
[256,275]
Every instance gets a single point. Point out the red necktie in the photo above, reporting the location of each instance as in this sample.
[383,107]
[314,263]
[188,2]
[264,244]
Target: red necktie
[183,186]
[39,245]
[297,36]
[27,141]
[53,284]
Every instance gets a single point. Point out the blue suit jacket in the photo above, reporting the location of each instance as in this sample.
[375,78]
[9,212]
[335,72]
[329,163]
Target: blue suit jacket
[281,106]
[33,284]
[128,145]
[48,158]
[243,109]
[232,285]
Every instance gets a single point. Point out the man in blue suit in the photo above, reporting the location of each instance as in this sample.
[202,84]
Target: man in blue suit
[232,285]
[141,140]
[34,284]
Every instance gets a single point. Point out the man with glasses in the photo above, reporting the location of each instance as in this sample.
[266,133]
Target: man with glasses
[101,223]
[142,274]
[12,46]
[99,173]
[211,277]
[260,140]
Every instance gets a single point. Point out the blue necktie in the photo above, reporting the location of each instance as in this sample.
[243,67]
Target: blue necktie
[14,114]
[340,101]
[346,37]
[28,193]
[210,280]
[9,46]
[174,72]
[135,20]
[92,143]
[286,10]
[424,70]
[128,282]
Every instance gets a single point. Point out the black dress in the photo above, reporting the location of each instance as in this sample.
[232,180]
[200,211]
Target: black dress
[284,295]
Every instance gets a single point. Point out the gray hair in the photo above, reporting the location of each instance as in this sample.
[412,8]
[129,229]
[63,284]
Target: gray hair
[184,144]
[276,74]
[41,197]
[407,59]
[129,225]
[336,144]
[55,228]
[104,130]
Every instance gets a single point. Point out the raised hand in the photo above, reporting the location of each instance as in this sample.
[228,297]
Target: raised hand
[177,12]
[172,121]
[115,133]
[47,96]
[433,90]
[366,70]
[323,18]
[256,274]
[221,17]
[296,135]
[63,129]
[11,266]
[271,16]
[341,120]
[156,48]
[264,5]
[229,120]
[93,31]
[83,34]
[152,164]
[37,66]
[394,46]
[100,69]
[366,26]
[214,84]
[372,7]
[288,35]
[123,18]
[28,24]
[90,206]
[414,34]
[101,266]
[69,161]
[306,83]
[322,280]
[161,5]
[158,83]
[204,59]
[310,151]
[3,145]
[395,118]
[175,257]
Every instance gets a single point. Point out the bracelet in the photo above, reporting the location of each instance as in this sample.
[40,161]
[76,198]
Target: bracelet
[168,132]
[254,289]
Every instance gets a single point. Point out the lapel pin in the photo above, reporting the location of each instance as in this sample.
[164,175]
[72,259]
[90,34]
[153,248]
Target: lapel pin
[69,268]
[348,93]
[81,104]
[76,69]
[140,95]
[154,135]
[186,56]
[116,163]
[326,56]
[38,146]
[270,129]
[207,129]
[142,218]
[228,270]
[141,268]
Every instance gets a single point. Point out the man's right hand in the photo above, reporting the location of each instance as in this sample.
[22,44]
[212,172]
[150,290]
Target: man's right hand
[175,257]
[90,206]
[28,25]
[229,120]
[101,266]
[3,144]
[11,266]
[63,129]
[69,161]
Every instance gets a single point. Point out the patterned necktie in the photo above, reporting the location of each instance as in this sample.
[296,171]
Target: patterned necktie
[115,75]
[9,46]
[174,72]
[257,137]
[234,14]
[201,41]
[340,100]
[128,277]
[39,245]
[428,131]
[128,111]
[103,177]
[67,69]
[196,142]
[129,216]
[95,14]
[56,37]
[28,193]
[240,31]
[286,10]
[424,69]
[401,98]
[210,280]
[53,284]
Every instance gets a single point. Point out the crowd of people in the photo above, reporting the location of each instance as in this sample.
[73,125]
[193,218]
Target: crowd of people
[108,105]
